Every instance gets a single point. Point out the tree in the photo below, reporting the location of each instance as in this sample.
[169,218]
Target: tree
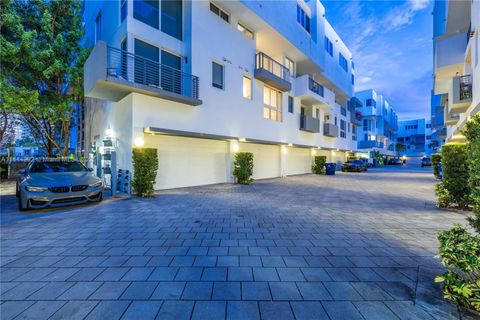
[42,67]
[399,147]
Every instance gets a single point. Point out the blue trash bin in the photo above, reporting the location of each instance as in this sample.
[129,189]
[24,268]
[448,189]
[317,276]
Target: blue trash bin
[330,169]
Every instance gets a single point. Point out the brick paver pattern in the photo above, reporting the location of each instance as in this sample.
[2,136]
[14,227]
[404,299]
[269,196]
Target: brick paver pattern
[349,246]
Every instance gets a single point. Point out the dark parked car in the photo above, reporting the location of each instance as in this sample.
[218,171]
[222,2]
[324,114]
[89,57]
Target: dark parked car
[395,161]
[426,162]
[354,166]
[55,182]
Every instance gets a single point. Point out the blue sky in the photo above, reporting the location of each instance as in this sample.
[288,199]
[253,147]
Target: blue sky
[391,42]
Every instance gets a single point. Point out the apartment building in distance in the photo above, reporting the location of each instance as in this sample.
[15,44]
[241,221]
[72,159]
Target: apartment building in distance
[378,124]
[200,81]
[416,136]
[456,90]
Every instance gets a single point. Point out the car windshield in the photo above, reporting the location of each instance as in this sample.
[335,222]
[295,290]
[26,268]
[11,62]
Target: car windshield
[57,166]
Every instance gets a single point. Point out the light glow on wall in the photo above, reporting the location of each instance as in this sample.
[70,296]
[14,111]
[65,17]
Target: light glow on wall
[139,142]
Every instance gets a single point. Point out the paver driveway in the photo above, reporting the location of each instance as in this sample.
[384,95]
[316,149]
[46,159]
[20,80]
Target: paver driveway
[349,246]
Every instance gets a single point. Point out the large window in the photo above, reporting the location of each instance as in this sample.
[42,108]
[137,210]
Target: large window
[123,9]
[217,75]
[371,103]
[272,101]
[290,104]
[329,46]
[171,72]
[303,18]
[98,27]
[247,87]
[146,11]
[219,12]
[172,18]
[245,31]
[343,110]
[343,62]
[146,68]
[290,65]
[343,126]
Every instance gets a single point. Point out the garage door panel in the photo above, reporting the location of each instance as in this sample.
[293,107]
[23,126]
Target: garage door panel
[298,161]
[266,159]
[184,162]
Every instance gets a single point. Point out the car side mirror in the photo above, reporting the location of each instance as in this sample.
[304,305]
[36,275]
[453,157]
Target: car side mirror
[90,169]
[21,171]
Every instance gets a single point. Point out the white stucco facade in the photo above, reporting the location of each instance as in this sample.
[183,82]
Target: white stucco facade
[196,133]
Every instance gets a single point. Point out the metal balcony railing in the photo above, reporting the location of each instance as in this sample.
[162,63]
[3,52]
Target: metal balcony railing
[265,62]
[139,70]
[309,123]
[315,87]
[466,87]
[366,144]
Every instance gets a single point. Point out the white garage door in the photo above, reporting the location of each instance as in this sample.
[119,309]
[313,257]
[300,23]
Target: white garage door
[184,162]
[298,161]
[266,159]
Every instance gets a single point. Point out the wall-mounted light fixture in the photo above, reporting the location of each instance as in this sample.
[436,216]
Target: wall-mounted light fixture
[139,142]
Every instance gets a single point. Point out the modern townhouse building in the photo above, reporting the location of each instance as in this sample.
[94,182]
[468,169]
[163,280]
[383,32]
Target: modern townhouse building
[456,66]
[416,136]
[201,80]
[378,125]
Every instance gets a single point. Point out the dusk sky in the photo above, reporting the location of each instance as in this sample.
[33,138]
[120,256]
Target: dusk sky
[391,42]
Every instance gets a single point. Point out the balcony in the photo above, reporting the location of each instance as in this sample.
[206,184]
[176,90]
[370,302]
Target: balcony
[272,72]
[112,74]
[460,95]
[330,130]
[312,93]
[370,144]
[309,123]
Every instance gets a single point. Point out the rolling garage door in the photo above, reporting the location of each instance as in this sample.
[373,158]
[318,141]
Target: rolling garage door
[266,159]
[298,161]
[184,162]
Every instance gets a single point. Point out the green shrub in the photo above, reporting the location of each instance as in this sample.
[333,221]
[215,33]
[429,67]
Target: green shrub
[380,158]
[318,166]
[460,253]
[352,158]
[145,166]
[243,167]
[436,159]
[472,133]
[455,173]
[443,197]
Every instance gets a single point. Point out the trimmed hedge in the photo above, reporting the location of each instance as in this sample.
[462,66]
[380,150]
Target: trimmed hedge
[455,174]
[436,159]
[318,166]
[145,166]
[243,167]
[472,133]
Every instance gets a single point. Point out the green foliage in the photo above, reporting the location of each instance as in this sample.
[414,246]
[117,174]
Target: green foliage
[472,133]
[460,253]
[436,159]
[455,173]
[443,197]
[243,167]
[380,158]
[318,166]
[42,67]
[352,158]
[145,166]
[400,147]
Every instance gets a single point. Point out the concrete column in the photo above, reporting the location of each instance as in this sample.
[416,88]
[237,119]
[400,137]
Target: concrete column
[283,161]
[232,148]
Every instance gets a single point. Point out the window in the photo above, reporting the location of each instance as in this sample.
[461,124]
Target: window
[123,9]
[170,76]
[245,31]
[272,101]
[147,12]
[145,72]
[365,124]
[343,110]
[219,12]
[247,88]
[353,65]
[335,122]
[98,27]
[329,46]
[172,18]
[303,18]
[290,104]
[353,79]
[217,75]
[343,62]
[290,65]
[371,103]
[429,125]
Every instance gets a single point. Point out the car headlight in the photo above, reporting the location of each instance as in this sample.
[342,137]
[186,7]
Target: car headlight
[96,184]
[36,189]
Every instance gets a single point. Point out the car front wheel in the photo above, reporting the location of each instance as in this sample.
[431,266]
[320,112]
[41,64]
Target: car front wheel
[20,205]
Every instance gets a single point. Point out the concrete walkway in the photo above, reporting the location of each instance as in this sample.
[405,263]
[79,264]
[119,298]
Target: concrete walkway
[349,246]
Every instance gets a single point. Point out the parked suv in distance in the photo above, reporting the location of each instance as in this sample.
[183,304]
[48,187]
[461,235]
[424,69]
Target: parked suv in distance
[354,166]
[51,182]
[426,162]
